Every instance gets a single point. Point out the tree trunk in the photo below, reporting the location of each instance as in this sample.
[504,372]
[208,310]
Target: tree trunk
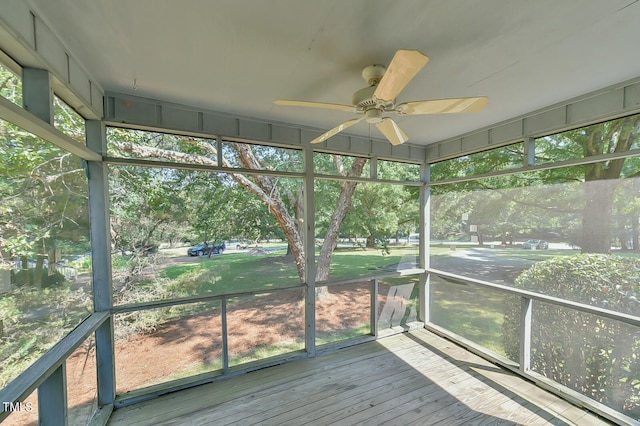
[347,189]
[265,187]
[53,260]
[635,231]
[371,241]
[26,282]
[596,217]
[37,273]
[601,180]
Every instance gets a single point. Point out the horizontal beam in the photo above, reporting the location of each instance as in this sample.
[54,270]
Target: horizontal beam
[29,122]
[198,167]
[136,112]
[390,274]
[367,180]
[545,166]
[211,297]
[612,102]
[115,161]
[196,299]
[563,303]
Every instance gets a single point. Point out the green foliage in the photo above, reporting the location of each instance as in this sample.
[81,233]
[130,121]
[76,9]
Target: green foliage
[595,356]
[10,86]
[43,196]
[148,320]
[33,321]
[507,157]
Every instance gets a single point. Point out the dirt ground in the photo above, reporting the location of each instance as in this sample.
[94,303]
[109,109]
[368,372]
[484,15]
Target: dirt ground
[193,344]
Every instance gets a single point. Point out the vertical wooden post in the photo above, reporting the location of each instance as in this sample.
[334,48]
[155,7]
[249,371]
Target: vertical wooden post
[37,93]
[309,253]
[529,152]
[52,399]
[374,307]
[373,167]
[424,247]
[225,337]
[526,311]
[98,178]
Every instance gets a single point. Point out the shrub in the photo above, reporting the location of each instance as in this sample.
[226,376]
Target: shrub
[149,320]
[35,320]
[595,356]
[46,280]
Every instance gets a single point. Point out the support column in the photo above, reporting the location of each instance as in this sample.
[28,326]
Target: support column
[52,399]
[424,247]
[101,261]
[310,253]
[526,315]
[373,309]
[373,167]
[37,94]
[529,152]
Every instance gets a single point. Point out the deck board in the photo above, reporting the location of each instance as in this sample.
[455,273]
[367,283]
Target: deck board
[412,378]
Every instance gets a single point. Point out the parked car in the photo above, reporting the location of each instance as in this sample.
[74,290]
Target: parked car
[238,244]
[203,249]
[535,244]
[199,250]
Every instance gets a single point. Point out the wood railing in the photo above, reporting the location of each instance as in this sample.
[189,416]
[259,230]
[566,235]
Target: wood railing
[523,367]
[47,375]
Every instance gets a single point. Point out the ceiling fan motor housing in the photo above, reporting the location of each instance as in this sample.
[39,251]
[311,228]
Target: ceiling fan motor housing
[372,74]
[363,99]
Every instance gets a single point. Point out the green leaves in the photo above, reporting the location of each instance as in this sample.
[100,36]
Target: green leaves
[594,355]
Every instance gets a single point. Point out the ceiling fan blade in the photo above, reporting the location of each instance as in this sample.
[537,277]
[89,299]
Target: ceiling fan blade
[337,130]
[442,106]
[309,104]
[391,131]
[403,68]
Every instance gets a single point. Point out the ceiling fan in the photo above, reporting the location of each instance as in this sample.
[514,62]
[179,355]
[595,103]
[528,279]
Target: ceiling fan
[380,97]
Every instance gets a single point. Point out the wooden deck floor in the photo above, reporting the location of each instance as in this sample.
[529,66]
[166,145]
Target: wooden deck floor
[414,378]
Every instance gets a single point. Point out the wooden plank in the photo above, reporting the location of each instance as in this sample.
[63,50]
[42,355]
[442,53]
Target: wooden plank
[363,389]
[401,411]
[413,378]
[289,397]
[368,407]
[190,400]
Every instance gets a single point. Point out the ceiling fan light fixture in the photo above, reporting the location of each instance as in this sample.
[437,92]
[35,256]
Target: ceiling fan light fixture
[373,115]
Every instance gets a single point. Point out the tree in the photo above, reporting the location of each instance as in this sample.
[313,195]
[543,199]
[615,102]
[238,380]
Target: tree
[43,191]
[514,204]
[602,178]
[284,202]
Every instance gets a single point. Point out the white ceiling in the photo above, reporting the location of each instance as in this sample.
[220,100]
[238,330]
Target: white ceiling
[238,56]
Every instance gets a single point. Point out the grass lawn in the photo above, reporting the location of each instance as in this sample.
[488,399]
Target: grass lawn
[474,313]
[239,271]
